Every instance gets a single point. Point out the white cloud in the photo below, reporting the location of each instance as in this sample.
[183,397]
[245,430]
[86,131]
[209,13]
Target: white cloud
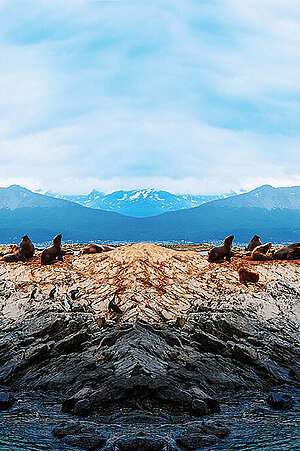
[184,96]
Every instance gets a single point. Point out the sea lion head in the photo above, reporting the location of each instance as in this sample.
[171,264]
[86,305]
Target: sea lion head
[57,240]
[228,240]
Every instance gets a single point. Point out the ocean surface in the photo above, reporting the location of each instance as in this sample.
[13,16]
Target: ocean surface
[254,426]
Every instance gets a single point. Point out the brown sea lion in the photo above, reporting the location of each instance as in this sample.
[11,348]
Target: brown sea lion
[253,243]
[262,253]
[247,276]
[26,247]
[287,252]
[50,254]
[95,249]
[25,252]
[218,253]
[294,254]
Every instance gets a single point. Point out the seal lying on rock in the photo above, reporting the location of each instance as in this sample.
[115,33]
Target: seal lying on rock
[220,252]
[96,249]
[253,243]
[24,252]
[247,276]
[262,253]
[51,253]
[288,252]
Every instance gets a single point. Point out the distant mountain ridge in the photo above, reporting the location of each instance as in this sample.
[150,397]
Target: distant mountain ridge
[267,197]
[139,203]
[272,213]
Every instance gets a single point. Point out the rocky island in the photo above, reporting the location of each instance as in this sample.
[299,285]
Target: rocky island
[185,336]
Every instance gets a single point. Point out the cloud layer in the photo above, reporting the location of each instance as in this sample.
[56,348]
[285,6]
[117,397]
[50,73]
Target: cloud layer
[188,96]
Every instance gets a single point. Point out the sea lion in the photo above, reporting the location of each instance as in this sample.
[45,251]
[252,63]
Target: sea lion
[95,249]
[288,252]
[293,254]
[253,243]
[25,252]
[263,252]
[26,247]
[247,276]
[220,252]
[51,253]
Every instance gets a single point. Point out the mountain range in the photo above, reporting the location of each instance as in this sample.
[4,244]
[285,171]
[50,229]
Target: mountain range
[139,203]
[272,213]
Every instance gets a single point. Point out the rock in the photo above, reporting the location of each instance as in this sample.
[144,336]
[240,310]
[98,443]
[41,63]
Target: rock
[195,441]
[86,441]
[7,400]
[82,407]
[72,343]
[141,442]
[279,401]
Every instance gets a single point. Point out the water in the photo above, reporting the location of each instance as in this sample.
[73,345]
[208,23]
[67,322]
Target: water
[254,426]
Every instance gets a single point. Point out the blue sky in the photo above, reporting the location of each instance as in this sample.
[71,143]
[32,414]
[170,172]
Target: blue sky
[184,95]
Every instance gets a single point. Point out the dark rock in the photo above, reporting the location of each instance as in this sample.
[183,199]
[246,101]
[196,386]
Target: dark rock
[72,343]
[72,428]
[141,442]
[195,441]
[82,407]
[86,441]
[6,400]
[280,401]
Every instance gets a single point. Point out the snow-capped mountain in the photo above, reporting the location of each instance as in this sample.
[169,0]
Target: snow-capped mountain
[266,197]
[139,203]
[16,196]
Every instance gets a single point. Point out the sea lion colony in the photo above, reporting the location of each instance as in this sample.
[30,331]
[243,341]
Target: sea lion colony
[150,282]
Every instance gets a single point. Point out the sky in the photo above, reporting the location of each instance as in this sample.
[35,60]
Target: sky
[190,96]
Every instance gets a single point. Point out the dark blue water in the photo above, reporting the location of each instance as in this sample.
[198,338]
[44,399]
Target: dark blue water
[254,426]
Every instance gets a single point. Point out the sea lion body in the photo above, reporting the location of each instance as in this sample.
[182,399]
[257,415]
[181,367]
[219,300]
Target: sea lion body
[218,253]
[96,249]
[248,276]
[254,243]
[287,252]
[293,254]
[24,252]
[26,247]
[53,252]
[262,253]
[14,257]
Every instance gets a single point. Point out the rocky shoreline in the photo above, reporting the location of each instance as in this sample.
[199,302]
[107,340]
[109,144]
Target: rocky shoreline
[189,334]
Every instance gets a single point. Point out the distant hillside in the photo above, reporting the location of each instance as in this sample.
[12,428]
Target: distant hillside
[139,203]
[265,197]
[272,213]
[42,217]
[16,196]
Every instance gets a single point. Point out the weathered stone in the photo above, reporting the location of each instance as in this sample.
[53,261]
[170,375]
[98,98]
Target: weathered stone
[86,441]
[195,441]
[280,401]
[7,400]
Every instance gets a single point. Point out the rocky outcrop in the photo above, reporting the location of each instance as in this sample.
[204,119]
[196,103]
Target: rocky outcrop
[234,343]
[189,333]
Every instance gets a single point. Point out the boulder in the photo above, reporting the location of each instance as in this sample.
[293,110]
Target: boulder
[280,401]
[7,400]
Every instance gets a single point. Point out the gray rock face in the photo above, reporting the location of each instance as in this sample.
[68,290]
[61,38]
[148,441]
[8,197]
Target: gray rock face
[240,342]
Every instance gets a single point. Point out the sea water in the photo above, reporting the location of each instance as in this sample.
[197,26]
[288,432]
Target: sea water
[254,426]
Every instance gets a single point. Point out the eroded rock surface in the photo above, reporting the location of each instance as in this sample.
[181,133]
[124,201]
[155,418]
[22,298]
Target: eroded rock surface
[189,333]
